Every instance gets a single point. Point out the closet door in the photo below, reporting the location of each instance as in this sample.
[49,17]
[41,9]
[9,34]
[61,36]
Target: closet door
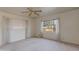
[5,30]
[17,28]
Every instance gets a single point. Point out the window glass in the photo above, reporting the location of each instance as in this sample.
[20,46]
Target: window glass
[48,26]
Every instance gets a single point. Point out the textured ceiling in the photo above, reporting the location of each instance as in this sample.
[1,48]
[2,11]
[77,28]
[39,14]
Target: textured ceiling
[45,10]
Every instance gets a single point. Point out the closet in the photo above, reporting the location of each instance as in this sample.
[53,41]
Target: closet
[5,30]
[17,29]
[13,29]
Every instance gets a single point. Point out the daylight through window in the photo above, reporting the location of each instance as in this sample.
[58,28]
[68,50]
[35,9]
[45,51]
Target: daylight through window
[48,25]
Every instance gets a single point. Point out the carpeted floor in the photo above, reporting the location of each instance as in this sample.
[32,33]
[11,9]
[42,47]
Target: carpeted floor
[38,44]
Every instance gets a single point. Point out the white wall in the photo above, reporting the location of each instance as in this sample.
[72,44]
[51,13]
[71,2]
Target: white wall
[33,25]
[69,26]
[0,30]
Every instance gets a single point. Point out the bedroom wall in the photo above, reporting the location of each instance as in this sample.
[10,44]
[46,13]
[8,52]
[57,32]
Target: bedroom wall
[11,17]
[68,26]
[0,30]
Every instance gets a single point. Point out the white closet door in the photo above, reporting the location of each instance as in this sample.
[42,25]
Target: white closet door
[17,28]
[5,30]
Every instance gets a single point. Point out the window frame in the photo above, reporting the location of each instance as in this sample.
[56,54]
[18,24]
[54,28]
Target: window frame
[53,26]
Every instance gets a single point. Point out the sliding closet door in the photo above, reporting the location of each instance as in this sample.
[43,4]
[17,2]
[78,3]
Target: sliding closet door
[17,29]
[5,30]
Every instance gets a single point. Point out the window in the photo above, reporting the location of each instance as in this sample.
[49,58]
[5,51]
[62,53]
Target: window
[48,26]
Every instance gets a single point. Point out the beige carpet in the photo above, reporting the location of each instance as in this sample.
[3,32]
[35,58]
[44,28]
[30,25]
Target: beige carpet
[38,44]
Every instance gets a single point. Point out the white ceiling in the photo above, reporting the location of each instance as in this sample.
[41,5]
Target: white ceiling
[45,10]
